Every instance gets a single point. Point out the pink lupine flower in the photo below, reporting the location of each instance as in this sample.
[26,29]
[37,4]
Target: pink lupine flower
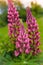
[23,41]
[33,32]
[14,23]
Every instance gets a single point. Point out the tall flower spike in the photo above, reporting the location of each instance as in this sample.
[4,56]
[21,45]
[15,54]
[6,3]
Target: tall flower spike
[14,24]
[33,32]
[22,43]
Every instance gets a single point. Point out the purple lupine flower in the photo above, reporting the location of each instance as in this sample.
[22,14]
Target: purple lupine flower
[33,32]
[22,44]
[14,24]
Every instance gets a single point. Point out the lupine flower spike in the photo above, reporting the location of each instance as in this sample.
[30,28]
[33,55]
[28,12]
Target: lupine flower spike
[22,43]
[13,21]
[33,32]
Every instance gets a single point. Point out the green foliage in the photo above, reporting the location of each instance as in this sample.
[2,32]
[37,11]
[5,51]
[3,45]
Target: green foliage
[22,13]
[18,4]
[6,46]
[3,3]
[3,14]
[37,60]
[1,23]
[3,18]
[36,9]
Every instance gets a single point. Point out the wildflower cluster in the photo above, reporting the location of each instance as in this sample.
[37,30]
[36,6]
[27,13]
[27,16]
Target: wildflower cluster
[24,41]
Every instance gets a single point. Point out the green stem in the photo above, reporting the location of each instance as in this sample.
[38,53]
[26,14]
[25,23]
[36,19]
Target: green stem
[23,57]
